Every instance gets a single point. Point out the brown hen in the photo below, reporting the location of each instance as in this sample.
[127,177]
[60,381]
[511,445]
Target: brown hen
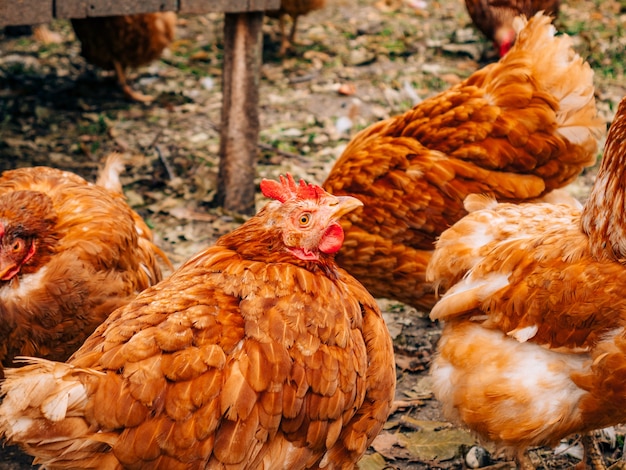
[118,42]
[534,343]
[494,18]
[258,353]
[70,253]
[293,9]
[516,129]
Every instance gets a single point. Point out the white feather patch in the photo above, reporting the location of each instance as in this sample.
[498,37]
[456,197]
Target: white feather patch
[467,295]
[524,334]
[28,283]
[57,406]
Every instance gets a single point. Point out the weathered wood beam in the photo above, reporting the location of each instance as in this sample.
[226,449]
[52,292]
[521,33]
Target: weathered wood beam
[23,12]
[19,12]
[88,8]
[227,6]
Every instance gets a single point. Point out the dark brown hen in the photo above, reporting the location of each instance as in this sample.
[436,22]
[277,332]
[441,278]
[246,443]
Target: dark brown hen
[119,42]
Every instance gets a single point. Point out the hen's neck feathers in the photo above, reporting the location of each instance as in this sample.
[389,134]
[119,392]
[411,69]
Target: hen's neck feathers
[603,215]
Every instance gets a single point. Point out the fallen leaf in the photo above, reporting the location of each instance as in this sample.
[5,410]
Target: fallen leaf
[347,89]
[409,363]
[373,461]
[390,446]
[423,387]
[435,441]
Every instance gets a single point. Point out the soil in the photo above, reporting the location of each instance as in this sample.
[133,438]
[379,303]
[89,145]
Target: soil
[355,62]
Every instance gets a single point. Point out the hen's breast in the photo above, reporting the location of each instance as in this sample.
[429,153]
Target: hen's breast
[510,392]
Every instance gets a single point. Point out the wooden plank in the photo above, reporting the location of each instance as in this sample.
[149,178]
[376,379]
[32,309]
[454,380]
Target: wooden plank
[239,135]
[87,8]
[19,12]
[263,5]
[227,6]
[13,12]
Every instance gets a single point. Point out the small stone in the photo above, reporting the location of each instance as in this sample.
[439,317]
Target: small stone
[477,457]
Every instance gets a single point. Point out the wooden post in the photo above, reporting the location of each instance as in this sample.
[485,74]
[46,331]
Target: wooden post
[240,113]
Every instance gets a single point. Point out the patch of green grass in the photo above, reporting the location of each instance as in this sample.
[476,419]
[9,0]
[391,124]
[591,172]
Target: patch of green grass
[395,47]
[19,68]
[599,40]
[574,28]
[433,83]
[25,41]
[97,127]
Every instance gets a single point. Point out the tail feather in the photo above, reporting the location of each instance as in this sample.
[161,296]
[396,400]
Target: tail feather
[109,179]
[38,385]
[564,74]
[109,175]
[43,409]
[80,454]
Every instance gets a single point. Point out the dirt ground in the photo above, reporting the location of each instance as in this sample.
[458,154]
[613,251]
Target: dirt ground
[55,110]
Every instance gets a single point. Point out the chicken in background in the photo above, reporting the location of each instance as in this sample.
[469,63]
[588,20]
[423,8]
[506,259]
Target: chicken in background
[119,42]
[516,129]
[293,9]
[41,33]
[494,18]
[259,352]
[534,341]
[71,252]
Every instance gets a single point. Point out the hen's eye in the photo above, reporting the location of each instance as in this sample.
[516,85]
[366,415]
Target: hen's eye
[305,219]
[17,246]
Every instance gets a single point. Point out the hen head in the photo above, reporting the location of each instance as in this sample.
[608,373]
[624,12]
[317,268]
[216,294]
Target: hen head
[307,216]
[504,39]
[27,221]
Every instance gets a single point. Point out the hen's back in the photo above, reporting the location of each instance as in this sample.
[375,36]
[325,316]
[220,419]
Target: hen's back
[516,129]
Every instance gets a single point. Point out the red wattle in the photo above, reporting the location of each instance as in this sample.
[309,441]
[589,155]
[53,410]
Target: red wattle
[332,239]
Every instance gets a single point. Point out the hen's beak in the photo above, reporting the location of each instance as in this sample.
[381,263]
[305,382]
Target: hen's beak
[343,205]
[8,270]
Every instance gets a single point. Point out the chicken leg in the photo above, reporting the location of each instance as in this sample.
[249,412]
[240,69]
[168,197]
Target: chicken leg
[522,459]
[128,91]
[592,456]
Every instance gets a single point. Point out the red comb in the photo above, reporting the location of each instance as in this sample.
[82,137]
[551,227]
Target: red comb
[287,189]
